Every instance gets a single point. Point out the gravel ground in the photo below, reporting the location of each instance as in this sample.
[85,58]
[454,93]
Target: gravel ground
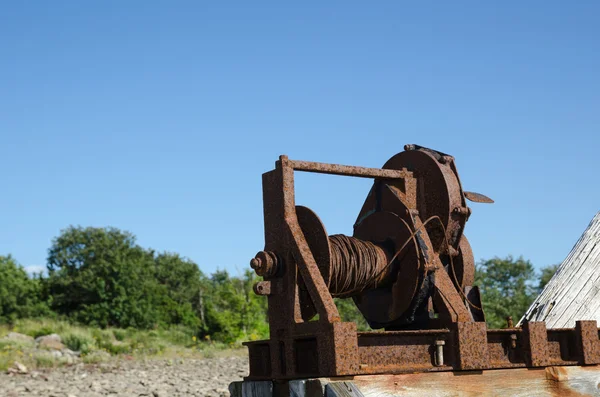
[208,377]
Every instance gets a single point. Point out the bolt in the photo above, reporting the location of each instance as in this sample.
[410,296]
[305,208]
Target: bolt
[509,322]
[462,210]
[439,353]
[409,147]
[255,263]
[265,263]
[262,288]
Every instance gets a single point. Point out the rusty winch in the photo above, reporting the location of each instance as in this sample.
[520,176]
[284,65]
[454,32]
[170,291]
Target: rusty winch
[409,269]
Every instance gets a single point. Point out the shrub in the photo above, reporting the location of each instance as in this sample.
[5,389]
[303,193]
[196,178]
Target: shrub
[45,360]
[79,341]
[20,295]
[119,334]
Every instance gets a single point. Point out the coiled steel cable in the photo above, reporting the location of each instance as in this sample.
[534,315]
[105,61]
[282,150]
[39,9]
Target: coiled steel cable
[355,265]
[386,267]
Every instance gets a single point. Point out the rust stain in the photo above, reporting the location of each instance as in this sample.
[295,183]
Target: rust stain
[558,374]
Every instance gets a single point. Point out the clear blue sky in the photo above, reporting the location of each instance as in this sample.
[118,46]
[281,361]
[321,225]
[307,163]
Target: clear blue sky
[160,117]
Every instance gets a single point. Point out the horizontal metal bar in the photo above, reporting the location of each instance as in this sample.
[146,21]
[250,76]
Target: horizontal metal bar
[348,170]
[417,332]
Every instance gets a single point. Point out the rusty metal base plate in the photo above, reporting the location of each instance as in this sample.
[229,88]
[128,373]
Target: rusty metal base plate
[464,347]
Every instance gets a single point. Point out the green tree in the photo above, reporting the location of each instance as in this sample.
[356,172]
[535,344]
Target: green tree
[545,276]
[507,288]
[100,276]
[233,311]
[20,295]
[179,285]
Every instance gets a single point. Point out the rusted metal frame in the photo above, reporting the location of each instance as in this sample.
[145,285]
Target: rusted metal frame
[280,308]
[347,170]
[460,212]
[310,349]
[504,348]
[338,349]
[448,302]
[403,351]
[303,256]
[467,346]
[588,344]
[260,360]
[472,345]
[283,309]
[558,346]
[535,344]
[562,346]
[329,347]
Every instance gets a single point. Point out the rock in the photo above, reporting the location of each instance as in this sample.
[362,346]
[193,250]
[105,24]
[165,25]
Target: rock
[17,337]
[55,337]
[51,344]
[95,386]
[20,368]
[69,352]
[69,359]
[56,353]
[139,377]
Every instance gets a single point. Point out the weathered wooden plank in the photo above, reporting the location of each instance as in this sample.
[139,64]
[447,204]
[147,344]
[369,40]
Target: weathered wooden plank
[306,388]
[520,382]
[573,293]
[251,389]
[342,389]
